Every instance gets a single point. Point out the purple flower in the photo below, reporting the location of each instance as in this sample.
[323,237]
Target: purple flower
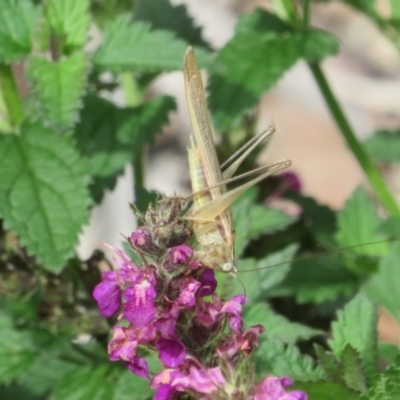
[139,367]
[208,283]
[108,294]
[186,298]
[140,308]
[200,380]
[171,351]
[291,181]
[273,388]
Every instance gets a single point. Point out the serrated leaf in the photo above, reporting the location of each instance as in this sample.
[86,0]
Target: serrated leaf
[67,21]
[323,390]
[17,23]
[43,193]
[277,326]
[384,146]
[132,387]
[356,326]
[317,280]
[110,137]
[161,14]
[135,47]
[329,363]
[358,223]
[277,359]
[266,220]
[383,286]
[385,386]
[85,383]
[259,54]
[59,87]
[353,372]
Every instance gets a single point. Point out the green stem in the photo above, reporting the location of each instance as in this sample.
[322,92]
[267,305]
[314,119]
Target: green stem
[286,11]
[363,159]
[13,106]
[133,98]
[306,13]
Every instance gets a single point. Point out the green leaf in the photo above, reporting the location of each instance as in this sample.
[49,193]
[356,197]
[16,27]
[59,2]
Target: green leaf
[275,358]
[395,8]
[321,220]
[240,211]
[17,354]
[43,193]
[259,54]
[137,48]
[17,23]
[267,220]
[67,23]
[317,280]
[383,287]
[327,391]
[329,363]
[388,352]
[385,386]
[353,372]
[391,227]
[277,326]
[110,137]
[59,86]
[274,268]
[86,383]
[358,223]
[365,6]
[384,146]
[356,326]
[161,14]
[132,387]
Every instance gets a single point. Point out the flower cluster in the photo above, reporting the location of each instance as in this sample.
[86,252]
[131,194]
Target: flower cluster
[171,308]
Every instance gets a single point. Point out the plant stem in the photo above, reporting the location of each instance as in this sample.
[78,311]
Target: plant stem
[10,95]
[306,13]
[133,98]
[362,157]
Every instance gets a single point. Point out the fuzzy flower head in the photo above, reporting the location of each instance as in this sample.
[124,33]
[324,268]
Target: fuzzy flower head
[170,308]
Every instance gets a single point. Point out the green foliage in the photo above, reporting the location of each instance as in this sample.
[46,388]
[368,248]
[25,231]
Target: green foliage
[17,24]
[262,50]
[163,15]
[323,390]
[358,223]
[135,47]
[110,137]
[278,327]
[282,360]
[386,385]
[384,146]
[383,286]
[356,327]
[59,87]
[63,145]
[43,195]
[66,23]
